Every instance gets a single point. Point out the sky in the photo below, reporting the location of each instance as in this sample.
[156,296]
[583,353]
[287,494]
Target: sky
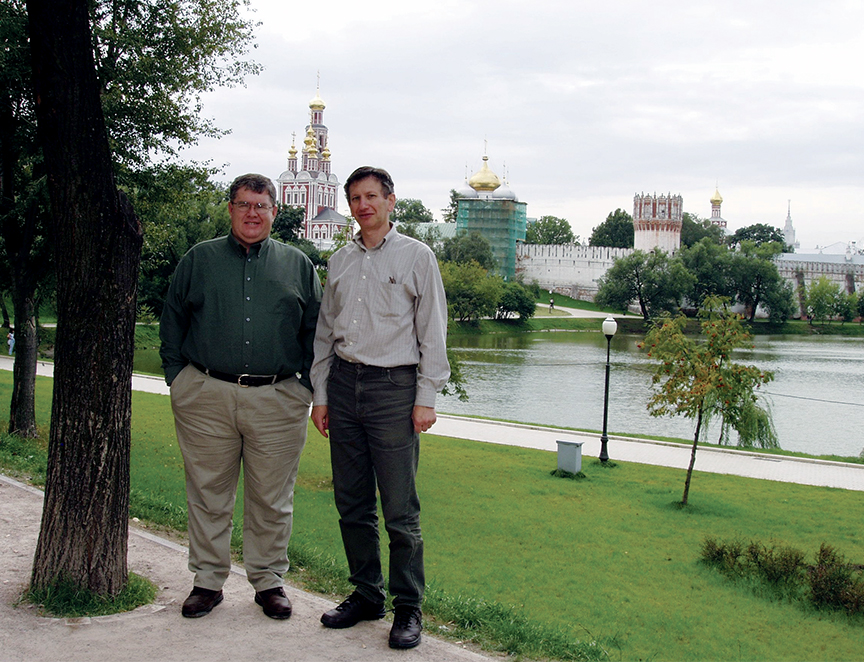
[580,105]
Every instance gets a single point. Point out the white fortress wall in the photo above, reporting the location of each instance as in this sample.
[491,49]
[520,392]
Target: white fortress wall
[569,269]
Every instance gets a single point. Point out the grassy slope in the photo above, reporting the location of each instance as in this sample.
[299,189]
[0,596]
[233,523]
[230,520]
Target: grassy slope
[610,557]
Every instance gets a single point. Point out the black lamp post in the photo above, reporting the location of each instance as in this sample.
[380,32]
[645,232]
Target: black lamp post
[610,326]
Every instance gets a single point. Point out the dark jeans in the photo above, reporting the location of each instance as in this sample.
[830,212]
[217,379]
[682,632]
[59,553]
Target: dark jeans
[372,440]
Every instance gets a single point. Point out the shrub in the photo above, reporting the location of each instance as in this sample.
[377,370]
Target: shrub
[834,584]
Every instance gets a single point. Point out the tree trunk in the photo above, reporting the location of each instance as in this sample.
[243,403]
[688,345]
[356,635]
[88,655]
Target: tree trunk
[7,323]
[692,458]
[22,408]
[83,537]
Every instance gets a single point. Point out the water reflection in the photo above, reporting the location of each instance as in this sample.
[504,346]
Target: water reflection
[556,378]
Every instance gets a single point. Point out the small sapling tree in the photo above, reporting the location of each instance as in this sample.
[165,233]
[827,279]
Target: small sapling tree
[697,378]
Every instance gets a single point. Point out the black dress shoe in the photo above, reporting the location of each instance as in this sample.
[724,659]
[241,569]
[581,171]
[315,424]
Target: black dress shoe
[201,602]
[407,623]
[354,609]
[274,602]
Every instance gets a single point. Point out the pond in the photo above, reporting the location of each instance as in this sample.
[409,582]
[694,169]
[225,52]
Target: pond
[557,378]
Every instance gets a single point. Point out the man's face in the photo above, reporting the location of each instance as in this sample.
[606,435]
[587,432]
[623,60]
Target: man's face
[369,206]
[249,226]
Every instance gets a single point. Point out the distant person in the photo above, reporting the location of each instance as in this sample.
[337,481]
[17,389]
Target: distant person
[10,340]
[380,359]
[237,334]
[551,305]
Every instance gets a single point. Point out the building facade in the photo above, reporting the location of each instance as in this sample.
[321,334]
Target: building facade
[310,183]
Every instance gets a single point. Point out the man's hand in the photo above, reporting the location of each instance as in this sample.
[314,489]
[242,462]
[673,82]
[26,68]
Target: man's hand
[320,419]
[423,418]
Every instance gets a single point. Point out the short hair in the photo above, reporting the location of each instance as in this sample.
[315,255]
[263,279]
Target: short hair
[255,183]
[368,171]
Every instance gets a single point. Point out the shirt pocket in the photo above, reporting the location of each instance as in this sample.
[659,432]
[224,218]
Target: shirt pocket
[393,299]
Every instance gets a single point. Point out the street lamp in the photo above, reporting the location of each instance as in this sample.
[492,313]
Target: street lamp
[610,326]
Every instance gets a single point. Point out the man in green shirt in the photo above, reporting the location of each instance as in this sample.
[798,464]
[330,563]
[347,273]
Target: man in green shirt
[237,331]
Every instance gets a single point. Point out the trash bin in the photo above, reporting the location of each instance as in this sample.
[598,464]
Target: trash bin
[570,456]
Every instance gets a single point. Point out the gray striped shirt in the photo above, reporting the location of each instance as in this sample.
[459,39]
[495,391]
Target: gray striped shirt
[384,307]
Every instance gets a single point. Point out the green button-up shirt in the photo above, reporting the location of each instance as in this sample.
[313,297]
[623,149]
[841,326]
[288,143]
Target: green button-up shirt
[241,313]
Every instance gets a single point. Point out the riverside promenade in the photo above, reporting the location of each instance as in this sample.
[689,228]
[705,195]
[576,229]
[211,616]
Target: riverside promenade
[237,629]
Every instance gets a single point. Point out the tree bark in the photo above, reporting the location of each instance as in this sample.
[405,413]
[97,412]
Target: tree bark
[22,408]
[83,538]
[692,458]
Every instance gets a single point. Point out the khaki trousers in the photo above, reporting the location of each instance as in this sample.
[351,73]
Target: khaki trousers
[219,427]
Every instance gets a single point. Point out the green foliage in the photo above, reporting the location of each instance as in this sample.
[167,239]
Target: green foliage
[66,599]
[656,282]
[515,300]
[758,234]
[615,232]
[409,211]
[756,280]
[820,299]
[710,263]
[550,230]
[471,291]
[468,247]
[178,207]
[288,224]
[449,212]
[695,229]
[835,584]
[830,583]
[155,59]
[456,383]
[825,299]
[699,380]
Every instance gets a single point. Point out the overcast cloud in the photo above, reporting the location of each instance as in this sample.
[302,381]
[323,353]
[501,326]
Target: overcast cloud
[581,104]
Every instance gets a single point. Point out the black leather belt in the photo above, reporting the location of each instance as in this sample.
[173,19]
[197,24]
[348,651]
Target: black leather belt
[342,364]
[242,380]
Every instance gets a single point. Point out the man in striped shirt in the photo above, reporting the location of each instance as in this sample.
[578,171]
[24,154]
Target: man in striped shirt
[380,359]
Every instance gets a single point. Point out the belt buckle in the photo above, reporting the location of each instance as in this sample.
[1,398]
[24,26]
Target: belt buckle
[240,381]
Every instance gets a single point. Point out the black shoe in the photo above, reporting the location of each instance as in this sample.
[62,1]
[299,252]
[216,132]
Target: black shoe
[354,609]
[407,623]
[201,602]
[274,602]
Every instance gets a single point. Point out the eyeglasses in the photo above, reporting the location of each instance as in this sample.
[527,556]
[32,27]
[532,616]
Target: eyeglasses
[257,206]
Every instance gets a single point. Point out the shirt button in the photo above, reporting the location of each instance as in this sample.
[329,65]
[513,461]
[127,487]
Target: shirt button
[248,319]
[353,321]
[247,342]
[362,277]
[248,278]
[248,298]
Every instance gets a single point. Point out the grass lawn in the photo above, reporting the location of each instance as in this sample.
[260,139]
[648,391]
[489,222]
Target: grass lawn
[610,558]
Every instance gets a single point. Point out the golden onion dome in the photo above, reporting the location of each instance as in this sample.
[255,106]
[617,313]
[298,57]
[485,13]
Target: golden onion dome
[309,142]
[716,199]
[317,103]
[484,179]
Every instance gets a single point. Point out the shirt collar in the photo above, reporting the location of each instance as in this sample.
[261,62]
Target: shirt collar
[390,236]
[258,249]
